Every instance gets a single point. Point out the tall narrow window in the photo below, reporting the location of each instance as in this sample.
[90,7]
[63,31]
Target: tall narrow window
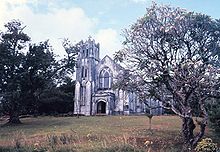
[85,72]
[82,72]
[83,54]
[105,79]
[87,52]
[83,95]
[100,81]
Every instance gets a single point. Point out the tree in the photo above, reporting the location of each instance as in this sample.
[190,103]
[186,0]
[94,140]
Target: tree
[44,73]
[173,56]
[11,59]
[39,67]
[67,90]
[24,77]
[58,99]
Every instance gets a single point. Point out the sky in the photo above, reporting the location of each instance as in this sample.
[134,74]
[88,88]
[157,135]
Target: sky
[103,20]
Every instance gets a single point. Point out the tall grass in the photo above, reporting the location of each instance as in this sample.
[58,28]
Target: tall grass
[110,133]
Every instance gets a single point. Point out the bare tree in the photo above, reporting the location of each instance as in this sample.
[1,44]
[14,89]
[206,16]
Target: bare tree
[173,56]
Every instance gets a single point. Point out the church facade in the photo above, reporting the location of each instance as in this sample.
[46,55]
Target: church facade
[94,80]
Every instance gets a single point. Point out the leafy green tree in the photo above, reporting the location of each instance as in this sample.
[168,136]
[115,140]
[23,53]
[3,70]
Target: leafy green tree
[12,42]
[25,77]
[68,93]
[39,67]
[58,99]
[173,56]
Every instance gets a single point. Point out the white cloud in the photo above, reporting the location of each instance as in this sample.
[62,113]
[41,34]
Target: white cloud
[15,1]
[55,25]
[109,41]
[58,23]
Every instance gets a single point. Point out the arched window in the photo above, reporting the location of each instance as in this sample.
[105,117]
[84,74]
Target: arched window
[105,78]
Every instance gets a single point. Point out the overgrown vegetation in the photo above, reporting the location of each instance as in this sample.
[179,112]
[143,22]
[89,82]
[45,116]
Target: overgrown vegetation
[106,133]
[206,145]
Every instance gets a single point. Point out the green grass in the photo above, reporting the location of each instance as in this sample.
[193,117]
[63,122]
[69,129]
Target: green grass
[95,133]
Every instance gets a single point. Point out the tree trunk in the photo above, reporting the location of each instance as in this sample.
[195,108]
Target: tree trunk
[187,129]
[199,136]
[14,118]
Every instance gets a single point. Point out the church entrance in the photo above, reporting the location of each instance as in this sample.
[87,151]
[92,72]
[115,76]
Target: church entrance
[101,107]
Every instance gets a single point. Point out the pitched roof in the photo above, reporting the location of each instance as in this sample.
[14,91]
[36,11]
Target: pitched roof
[112,61]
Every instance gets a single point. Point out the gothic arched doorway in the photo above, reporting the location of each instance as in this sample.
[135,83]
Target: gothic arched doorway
[101,107]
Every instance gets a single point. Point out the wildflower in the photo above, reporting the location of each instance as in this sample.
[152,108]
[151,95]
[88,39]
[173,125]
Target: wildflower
[36,144]
[147,143]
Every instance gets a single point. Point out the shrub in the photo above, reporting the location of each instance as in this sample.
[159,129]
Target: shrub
[214,116]
[53,140]
[206,145]
[65,138]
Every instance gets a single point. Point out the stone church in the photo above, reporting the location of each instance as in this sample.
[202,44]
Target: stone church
[94,79]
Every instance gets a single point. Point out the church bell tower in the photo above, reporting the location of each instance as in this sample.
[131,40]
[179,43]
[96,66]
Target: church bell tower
[88,57]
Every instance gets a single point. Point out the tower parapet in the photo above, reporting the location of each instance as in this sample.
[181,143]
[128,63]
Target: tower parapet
[89,49]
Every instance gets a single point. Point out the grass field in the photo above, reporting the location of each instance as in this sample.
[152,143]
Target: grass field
[95,133]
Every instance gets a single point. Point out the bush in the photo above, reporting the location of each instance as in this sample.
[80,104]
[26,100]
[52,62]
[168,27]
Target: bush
[206,145]
[214,116]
